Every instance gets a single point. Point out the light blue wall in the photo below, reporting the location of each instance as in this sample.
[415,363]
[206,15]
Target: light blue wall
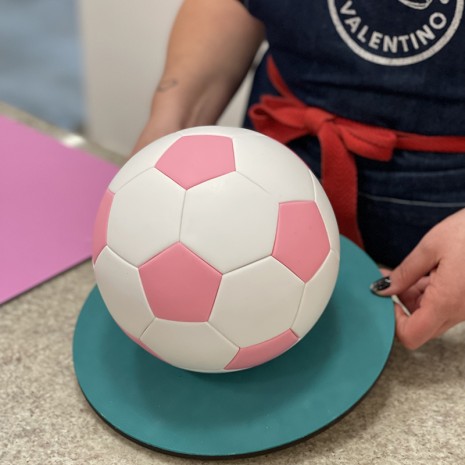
[40,65]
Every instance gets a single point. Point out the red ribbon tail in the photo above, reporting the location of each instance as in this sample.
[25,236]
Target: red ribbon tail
[339,179]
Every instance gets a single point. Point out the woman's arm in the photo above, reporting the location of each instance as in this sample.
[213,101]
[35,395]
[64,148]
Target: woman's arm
[211,47]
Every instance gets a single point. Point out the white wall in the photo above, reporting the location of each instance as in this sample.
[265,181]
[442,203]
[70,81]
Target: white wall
[124,47]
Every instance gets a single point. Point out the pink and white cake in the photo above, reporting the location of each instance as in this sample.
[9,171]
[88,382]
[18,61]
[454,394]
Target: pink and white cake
[215,249]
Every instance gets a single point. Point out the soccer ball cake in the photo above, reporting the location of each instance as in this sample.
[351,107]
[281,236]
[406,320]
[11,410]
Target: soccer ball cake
[215,249]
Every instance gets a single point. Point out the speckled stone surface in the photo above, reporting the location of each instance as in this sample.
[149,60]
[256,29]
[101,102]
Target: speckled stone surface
[415,414]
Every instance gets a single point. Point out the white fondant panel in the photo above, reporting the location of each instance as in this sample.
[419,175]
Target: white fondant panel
[229,222]
[192,346]
[122,292]
[327,213]
[316,295]
[145,217]
[257,302]
[142,161]
[273,166]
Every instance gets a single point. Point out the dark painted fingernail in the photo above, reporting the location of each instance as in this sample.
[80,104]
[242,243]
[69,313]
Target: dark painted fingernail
[380,284]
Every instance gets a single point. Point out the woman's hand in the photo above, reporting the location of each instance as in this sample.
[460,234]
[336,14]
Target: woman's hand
[429,283]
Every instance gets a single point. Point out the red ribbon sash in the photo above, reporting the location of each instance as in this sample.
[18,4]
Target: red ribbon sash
[285,118]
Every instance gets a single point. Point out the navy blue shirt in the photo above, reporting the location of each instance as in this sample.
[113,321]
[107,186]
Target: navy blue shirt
[392,63]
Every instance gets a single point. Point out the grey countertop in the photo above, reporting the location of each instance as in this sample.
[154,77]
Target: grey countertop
[415,414]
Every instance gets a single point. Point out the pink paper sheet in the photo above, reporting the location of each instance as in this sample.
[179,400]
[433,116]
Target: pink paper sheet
[49,195]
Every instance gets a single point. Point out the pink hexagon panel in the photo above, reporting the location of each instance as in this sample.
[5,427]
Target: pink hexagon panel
[179,285]
[194,159]
[302,242]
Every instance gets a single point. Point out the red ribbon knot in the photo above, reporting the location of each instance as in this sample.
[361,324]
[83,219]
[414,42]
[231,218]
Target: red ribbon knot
[285,118]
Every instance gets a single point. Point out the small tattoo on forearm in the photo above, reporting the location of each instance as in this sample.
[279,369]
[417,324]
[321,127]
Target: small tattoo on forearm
[167,84]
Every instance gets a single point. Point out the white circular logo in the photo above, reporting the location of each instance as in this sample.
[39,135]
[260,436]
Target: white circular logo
[413,31]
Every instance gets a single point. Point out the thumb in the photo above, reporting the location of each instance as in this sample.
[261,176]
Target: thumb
[416,265]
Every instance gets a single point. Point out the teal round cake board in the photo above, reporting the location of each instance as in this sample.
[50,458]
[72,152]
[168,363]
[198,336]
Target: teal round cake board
[248,412]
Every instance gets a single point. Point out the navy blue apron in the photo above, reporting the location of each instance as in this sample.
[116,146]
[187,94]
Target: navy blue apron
[398,64]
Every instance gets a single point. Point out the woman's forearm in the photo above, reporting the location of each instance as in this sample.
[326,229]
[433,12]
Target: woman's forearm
[211,47]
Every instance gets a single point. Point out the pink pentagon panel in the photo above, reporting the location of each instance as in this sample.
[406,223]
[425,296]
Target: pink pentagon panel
[101,224]
[140,343]
[194,159]
[302,242]
[179,285]
[257,354]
